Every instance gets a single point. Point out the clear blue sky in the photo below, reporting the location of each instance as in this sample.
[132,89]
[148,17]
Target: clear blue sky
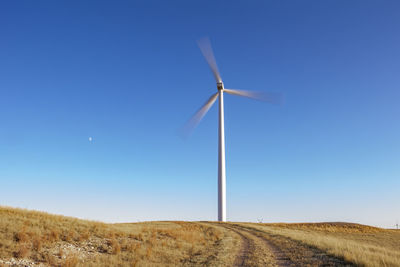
[129,74]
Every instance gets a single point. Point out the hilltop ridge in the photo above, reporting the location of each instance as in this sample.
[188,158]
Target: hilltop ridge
[34,238]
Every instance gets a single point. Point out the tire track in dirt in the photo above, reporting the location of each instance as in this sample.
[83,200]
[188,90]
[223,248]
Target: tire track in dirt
[245,251]
[253,251]
[279,256]
[288,252]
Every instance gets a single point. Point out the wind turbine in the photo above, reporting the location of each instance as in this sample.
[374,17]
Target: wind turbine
[275,98]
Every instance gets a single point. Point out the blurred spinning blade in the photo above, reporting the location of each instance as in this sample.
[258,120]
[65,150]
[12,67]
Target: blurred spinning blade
[196,118]
[206,49]
[273,98]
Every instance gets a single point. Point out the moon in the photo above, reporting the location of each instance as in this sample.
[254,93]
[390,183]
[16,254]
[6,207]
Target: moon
[90,139]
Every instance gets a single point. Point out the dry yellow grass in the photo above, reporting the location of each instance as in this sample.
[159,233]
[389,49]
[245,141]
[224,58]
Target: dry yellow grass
[359,244]
[31,237]
[37,237]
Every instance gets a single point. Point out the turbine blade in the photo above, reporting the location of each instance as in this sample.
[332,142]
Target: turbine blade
[206,49]
[196,118]
[270,97]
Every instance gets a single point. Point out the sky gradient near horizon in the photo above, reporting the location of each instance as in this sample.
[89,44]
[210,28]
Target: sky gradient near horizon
[129,74]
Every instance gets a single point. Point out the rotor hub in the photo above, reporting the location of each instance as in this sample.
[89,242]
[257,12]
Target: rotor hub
[220,86]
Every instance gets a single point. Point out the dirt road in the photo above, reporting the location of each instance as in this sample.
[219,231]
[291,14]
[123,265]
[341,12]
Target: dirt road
[259,248]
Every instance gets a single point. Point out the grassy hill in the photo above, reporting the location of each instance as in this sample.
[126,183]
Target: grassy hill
[31,238]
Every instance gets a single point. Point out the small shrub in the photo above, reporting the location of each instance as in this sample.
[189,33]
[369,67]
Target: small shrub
[61,253]
[133,247]
[103,248]
[37,243]
[132,236]
[21,236]
[140,237]
[66,237]
[84,236]
[115,246]
[123,243]
[50,259]
[23,251]
[53,235]
[135,262]
[71,261]
[148,252]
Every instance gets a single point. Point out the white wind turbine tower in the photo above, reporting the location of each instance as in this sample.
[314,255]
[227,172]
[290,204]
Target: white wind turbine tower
[275,98]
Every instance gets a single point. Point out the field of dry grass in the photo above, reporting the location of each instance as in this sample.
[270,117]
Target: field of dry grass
[359,244]
[31,238]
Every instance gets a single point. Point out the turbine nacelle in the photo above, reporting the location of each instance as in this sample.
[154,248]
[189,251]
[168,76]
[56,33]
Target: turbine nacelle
[220,86]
